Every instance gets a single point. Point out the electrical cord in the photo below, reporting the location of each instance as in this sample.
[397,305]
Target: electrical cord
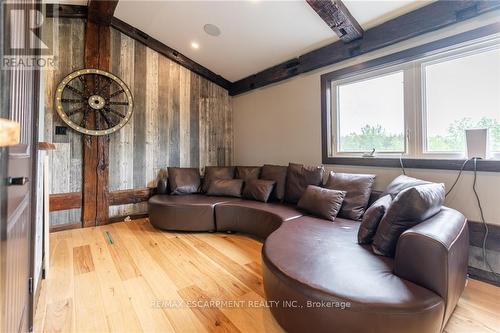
[483,221]
[486,229]
[401,163]
[458,178]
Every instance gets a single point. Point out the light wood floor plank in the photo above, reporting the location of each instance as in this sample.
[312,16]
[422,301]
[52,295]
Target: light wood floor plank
[235,252]
[252,281]
[144,280]
[152,319]
[59,316]
[82,260]
[120,314]
[88,304]
[212,317]
[182,319]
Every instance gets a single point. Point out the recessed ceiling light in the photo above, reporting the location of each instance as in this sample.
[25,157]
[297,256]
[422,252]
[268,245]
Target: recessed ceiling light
[211,29]
[195,45]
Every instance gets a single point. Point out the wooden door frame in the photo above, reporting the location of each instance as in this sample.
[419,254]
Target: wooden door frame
[34,181]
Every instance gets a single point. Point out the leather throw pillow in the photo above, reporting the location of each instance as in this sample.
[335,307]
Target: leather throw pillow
[258,189]
[299,177]
[247,172]
[409,208]
[372,218]
[184,180]
[213,172]
[277,173]
[400,183]
[225,187]
[321,202]
[358,188]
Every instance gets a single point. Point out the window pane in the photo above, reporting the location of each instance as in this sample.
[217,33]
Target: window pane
[371,114]
[462,93]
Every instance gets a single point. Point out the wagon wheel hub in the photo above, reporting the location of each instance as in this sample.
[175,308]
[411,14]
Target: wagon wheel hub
[96,102]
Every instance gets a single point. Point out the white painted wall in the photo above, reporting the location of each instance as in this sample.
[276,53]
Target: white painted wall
[281,123]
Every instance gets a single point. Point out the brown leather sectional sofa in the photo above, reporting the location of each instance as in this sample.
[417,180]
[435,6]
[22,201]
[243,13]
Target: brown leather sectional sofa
[322,280]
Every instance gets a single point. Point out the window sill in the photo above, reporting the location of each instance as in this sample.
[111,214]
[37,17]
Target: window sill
[415,163]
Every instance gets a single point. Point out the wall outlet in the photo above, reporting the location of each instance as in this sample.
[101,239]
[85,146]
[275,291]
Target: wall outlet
[61,130]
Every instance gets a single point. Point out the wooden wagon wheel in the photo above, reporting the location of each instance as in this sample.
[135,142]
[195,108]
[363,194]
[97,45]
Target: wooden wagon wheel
[94,102]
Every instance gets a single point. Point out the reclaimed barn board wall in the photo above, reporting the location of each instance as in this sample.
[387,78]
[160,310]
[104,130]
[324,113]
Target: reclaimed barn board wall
[66,160]
[180,119]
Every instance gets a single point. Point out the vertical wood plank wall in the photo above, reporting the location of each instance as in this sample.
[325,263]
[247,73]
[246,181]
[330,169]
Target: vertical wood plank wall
[180,119]
[66,161]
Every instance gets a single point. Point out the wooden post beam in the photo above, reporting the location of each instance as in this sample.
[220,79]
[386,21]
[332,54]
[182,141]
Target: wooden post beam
[338,18]
[101,11]
[95,173]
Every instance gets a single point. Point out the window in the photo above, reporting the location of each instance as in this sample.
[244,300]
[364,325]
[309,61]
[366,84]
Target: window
[462,92]
[371,114]
[419,108]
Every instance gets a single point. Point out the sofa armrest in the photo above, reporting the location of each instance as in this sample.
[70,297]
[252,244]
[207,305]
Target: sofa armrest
[434,255]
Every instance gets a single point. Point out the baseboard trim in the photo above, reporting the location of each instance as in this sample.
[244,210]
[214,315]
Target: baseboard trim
[476,235]
[65,226]
[132,217]
[484,276]
[78,225]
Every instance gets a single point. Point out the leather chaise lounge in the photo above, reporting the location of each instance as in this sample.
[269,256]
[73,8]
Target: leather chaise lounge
[323,279]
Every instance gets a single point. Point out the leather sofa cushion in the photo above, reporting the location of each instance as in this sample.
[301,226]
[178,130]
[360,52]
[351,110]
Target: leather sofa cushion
[278,174]
[225,187]
[258,189]
[372,218]
[256,218]
[358,188]
[213,172]
[410,207]
[400,183]
[282,211]
[193,212]
[323,259]
[321,202]
[247,172]
[298,178]
[184,180]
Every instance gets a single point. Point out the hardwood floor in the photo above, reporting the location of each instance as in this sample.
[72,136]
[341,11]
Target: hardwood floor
[130,277]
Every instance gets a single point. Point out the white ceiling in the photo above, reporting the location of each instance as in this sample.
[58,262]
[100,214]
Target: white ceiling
[255,34]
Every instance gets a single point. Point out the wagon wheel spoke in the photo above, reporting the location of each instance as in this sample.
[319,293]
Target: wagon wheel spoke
[84,84]
[75,111]
[76,91]
[96,121]
[116,93]
[115,112]
[72,100]
[107,120]
[100,88]
[83,122]
[118,103]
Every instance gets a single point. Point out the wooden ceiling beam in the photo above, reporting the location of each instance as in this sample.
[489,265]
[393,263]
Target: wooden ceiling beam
[338,18]
[429,18]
